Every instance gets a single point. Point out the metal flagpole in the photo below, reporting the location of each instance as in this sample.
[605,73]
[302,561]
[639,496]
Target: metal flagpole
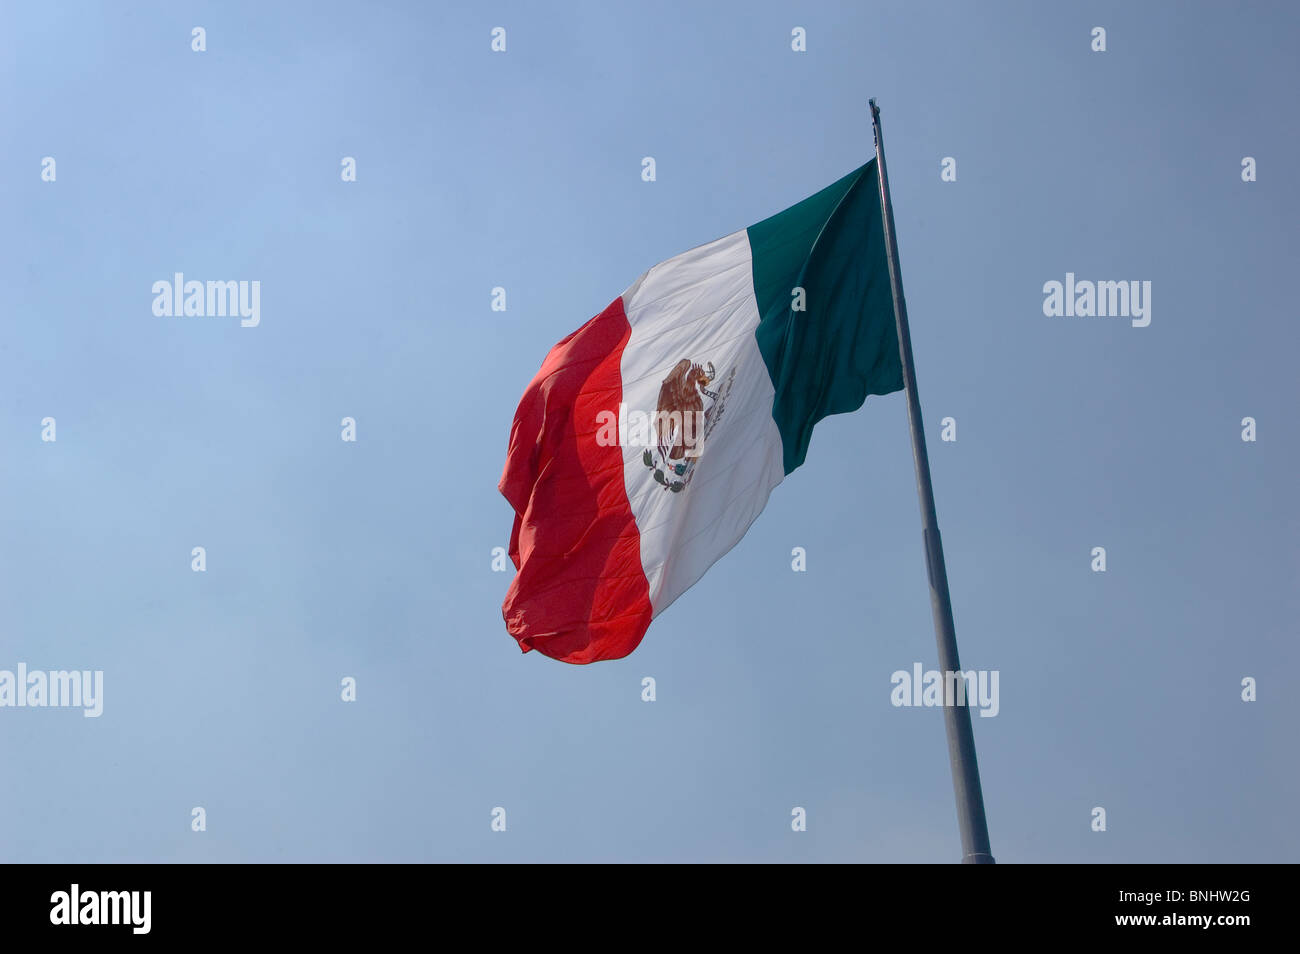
[961,741]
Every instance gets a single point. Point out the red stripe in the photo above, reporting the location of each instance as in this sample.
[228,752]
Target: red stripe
[580,594]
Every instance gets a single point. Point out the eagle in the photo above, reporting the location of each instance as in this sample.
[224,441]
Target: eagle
[682,396]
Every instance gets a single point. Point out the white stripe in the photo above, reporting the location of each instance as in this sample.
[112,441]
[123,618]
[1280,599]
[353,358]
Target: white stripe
[700,306]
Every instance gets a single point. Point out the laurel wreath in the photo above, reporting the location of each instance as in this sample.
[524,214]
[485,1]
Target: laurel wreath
[676,486]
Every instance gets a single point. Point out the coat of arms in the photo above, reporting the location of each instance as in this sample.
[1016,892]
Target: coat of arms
[683,423]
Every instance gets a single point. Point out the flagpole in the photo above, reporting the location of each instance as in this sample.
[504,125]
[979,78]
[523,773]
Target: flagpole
[961,740]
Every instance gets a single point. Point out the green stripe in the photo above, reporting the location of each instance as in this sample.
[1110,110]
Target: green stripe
[827,359]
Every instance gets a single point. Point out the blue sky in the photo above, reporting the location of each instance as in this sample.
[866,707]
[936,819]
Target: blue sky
[521,169]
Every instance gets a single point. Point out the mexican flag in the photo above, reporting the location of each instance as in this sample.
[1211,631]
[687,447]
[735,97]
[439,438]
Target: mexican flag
[652,436]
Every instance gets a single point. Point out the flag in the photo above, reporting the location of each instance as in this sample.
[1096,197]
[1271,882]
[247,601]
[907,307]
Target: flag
[653,435]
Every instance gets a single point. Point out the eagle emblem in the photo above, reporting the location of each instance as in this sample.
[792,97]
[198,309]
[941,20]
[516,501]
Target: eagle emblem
[683,424]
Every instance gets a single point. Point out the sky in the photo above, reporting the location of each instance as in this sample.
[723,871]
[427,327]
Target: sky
[371,559]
